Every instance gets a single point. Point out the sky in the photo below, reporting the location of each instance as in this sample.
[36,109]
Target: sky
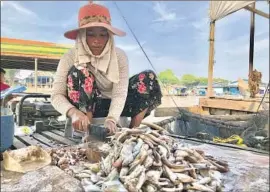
[174,34]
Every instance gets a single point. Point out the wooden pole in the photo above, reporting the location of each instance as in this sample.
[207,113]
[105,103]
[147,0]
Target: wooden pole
[36,69]
[211,60]
[261,13]
[251,41]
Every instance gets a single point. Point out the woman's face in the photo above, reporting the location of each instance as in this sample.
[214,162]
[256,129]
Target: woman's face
[97,38]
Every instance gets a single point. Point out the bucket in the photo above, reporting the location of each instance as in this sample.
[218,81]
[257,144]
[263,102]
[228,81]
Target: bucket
[7,129]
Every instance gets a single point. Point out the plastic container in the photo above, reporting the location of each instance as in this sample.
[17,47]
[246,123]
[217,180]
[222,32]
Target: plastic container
[7,129]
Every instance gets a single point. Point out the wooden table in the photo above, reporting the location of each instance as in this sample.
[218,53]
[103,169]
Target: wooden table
[45,139]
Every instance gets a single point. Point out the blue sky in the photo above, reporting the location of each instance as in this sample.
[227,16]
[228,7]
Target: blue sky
[174,34]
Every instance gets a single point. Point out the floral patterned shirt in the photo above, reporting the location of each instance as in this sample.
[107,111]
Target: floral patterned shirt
[117,92]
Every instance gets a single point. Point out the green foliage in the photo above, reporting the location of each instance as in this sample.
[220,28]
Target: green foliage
[188,80]
[168,77]
[220,80]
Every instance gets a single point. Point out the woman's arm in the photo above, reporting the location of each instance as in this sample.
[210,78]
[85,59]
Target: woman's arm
[59,90]
[120,90]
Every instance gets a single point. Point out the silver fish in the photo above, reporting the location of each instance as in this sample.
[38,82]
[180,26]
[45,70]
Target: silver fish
[124,171]
[137,148]
[141,180]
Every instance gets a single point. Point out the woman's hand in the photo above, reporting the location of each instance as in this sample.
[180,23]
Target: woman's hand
[111,126]
[80,121]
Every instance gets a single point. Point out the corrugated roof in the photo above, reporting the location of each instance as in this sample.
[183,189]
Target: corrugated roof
[21,54]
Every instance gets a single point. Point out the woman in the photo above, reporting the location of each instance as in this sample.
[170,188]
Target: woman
[92,79]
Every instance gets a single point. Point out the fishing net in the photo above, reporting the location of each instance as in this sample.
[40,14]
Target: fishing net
[252,130]
[192,125]
[257,134]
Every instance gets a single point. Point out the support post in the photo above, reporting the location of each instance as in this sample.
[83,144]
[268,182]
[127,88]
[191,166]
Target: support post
[251,41]
[211,59]
[36,69]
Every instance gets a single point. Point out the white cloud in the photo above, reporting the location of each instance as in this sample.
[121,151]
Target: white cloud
[130,47]
[164,13]
[18,7]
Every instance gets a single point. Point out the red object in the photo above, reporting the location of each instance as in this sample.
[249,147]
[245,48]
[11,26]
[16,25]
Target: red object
[93,15]
[4,86]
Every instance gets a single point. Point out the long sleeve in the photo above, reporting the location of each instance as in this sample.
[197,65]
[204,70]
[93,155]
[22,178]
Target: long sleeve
[120,90]
[59,92]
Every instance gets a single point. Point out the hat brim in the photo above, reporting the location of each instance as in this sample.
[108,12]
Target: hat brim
[72,34]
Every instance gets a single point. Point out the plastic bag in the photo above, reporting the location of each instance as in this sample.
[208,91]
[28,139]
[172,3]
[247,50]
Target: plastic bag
[23,131]
[26,159]
[234,139]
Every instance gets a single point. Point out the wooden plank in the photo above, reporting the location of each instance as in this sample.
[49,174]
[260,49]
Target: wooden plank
[43,139]
[18,144]
[248,106]
[261,13]
[63,130]
[58,132]
[58,138]
[31,141]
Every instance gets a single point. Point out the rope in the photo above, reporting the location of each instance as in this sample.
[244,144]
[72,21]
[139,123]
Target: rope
[148,59]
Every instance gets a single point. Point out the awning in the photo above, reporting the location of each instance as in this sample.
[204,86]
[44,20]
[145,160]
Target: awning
[220,9]
[21,54]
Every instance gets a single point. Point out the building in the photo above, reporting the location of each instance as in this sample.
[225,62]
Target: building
[219,90]
[44,79]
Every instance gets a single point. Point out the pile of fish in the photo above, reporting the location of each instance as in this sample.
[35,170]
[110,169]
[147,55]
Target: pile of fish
[146,159]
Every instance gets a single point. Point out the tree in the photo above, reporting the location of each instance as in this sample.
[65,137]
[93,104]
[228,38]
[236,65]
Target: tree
[220,80]
[168,77]
[203,80]
[189,80]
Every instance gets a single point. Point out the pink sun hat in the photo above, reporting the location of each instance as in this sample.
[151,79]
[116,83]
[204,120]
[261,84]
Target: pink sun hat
[94,15]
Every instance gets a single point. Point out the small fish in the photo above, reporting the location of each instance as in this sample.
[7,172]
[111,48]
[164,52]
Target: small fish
[184,178]
[124,171]
[126,153]
[131,184]
[91,188]
[82,175]
[153,175]
[199,187]
[113,186]
[113,175]
[141,180]
[94,178]
[180,153]
[149,188]
[87,171]
[204,181]
[171,175]
[137,171]
[137,148]
[162,151]
[148,161]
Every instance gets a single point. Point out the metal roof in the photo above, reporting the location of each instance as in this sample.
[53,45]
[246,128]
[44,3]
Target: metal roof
[21,54]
